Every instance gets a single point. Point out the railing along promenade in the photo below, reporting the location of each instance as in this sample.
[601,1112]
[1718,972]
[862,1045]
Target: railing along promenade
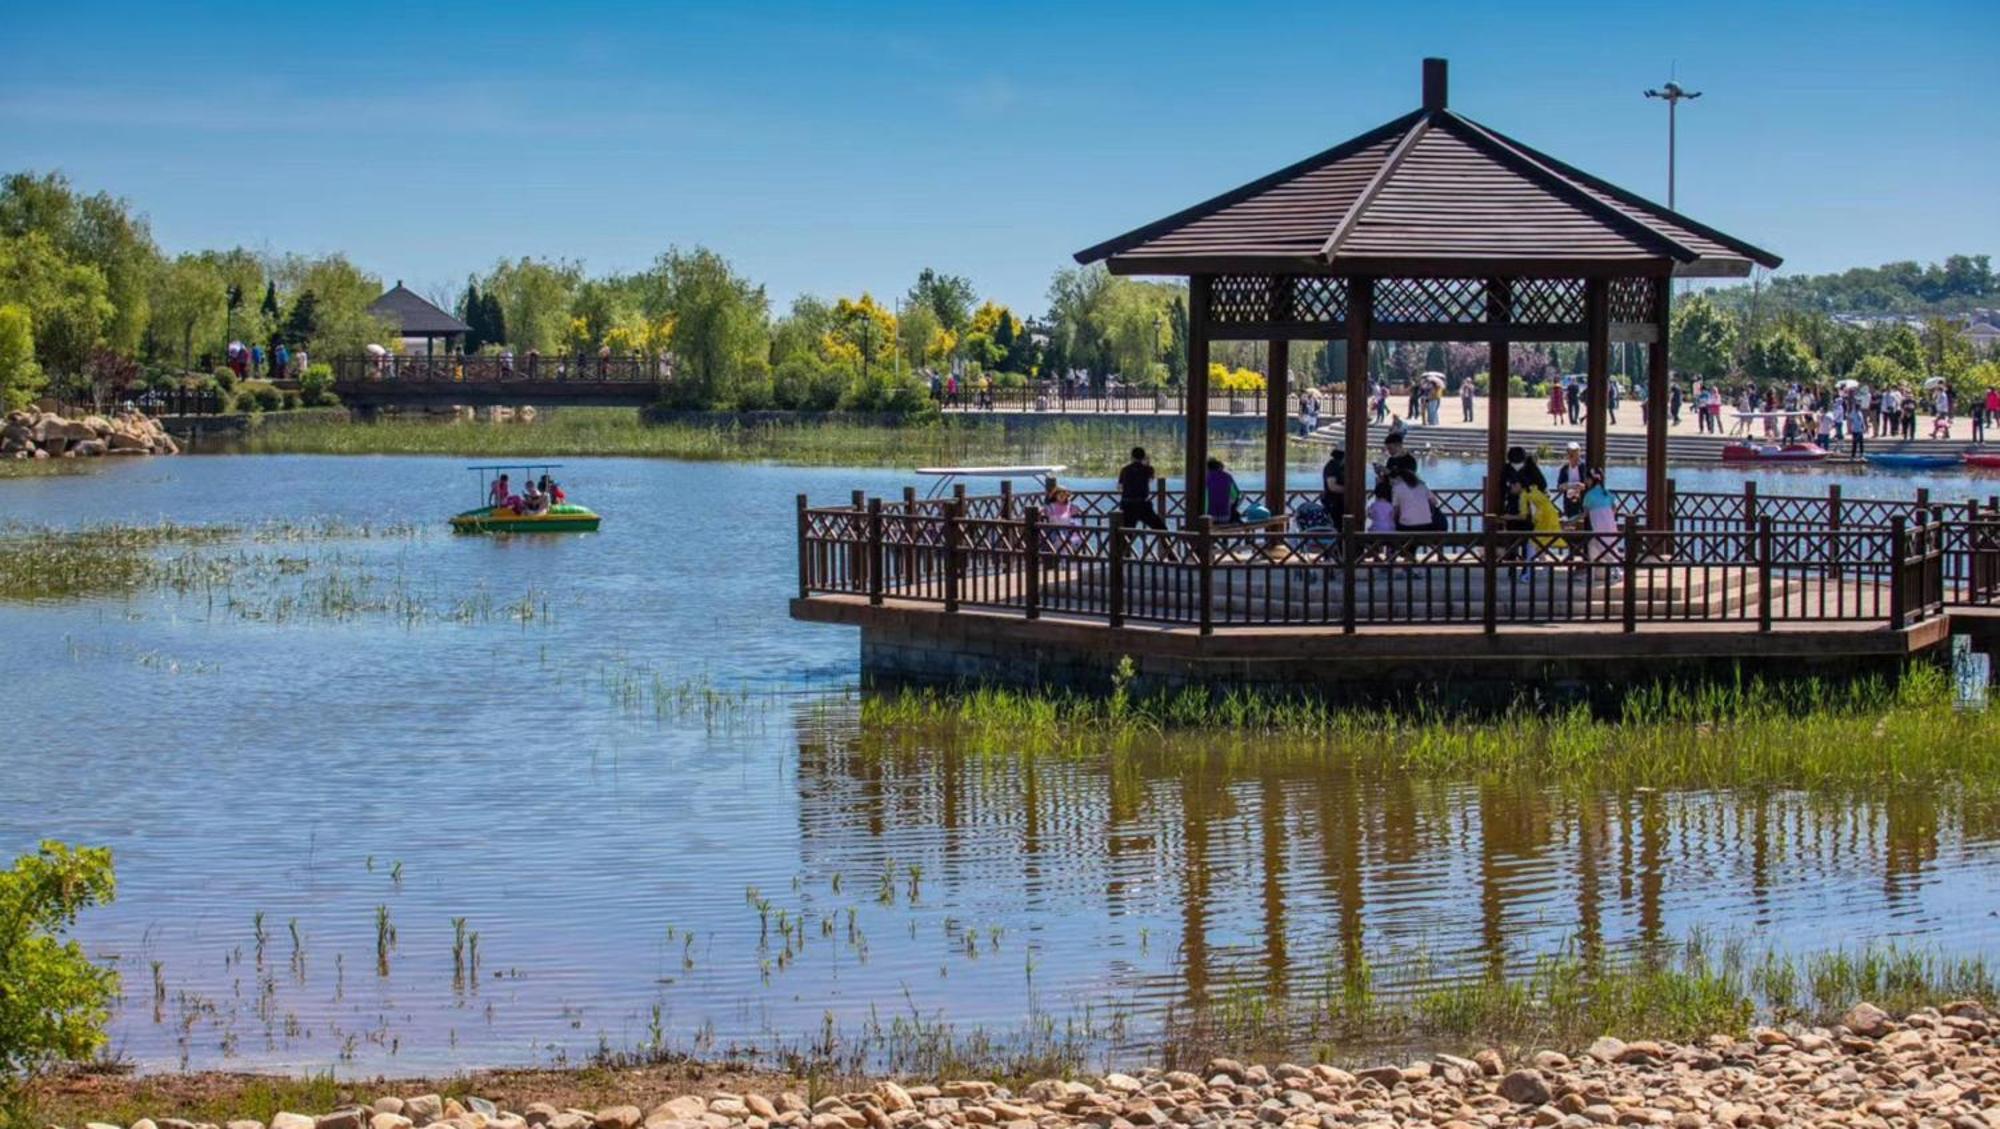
[487,369]
[1738,561]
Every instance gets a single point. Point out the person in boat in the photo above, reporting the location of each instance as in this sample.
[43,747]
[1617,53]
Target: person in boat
[1135,492]
[554,492]
[532,500]
[500,492]
[1224,498]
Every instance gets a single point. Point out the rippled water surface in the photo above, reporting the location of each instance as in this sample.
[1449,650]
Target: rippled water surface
[649,793]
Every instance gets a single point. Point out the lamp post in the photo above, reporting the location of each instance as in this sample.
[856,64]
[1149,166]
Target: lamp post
[1673,95]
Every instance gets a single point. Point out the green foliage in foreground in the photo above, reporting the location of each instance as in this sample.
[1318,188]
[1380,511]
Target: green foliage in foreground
[53,1000]
[1803,734]
[1095,447]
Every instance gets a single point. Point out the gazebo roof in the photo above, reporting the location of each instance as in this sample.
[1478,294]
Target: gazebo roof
[1430,193]
[417,316]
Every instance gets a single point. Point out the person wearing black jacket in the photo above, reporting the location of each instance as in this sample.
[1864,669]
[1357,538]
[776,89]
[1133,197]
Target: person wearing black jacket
[1135,492]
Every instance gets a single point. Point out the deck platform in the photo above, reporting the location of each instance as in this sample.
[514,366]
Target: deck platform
[1800,589]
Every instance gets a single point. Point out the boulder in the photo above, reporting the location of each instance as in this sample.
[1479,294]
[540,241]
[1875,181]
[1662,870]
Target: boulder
[423,1109]
[619,1117]
[88,448]
[1866,1019]
[1525,1087]
[339,1119]
[97,424]
[128,437]
[286,1120]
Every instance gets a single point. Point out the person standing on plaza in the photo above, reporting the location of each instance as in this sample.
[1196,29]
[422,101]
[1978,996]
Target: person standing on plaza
[1466,392]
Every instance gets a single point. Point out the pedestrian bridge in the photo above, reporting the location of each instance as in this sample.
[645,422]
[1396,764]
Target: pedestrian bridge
[370,382]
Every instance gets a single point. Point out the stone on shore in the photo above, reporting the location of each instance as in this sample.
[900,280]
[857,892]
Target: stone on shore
[286,1120]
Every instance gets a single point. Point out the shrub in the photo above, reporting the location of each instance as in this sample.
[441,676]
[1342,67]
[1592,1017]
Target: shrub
[807,384]
[225,378]
[1221,378]
[53,1000]
[316,386]
[258,396]
[882,391]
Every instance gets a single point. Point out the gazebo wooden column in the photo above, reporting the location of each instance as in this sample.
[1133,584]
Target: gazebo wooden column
[1197,398]
[1277,423]
[1597,399]
[1360,313]
[1659,378]
[1497,381]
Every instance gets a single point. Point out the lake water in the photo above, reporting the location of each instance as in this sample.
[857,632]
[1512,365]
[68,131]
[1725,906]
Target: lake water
[635,793]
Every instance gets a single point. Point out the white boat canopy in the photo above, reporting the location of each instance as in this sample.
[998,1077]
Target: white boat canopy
[945,474]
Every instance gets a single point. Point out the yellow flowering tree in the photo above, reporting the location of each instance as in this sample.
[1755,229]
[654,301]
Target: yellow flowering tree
[861,329]
[1222,378]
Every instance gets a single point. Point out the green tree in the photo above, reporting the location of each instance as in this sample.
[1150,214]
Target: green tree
[534,301]
[20,377]
[269,307]
[342,293]
[721,326]
[1780,357]
[918,332]
[798,332]
[472,311]
[948,296]
[97,230]
[1701,338]
[67,302]
[1902,345]
[188,305]
[302,324]
[1878,372]
[53,1000]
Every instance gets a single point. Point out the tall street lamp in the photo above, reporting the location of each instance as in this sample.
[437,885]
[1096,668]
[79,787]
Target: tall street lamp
[1673,95]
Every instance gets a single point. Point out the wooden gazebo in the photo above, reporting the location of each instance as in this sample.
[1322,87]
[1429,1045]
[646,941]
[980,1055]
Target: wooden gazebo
[1430,227]
[416,316]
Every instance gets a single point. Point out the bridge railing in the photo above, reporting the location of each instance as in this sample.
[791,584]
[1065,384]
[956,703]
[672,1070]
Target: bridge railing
[398,368]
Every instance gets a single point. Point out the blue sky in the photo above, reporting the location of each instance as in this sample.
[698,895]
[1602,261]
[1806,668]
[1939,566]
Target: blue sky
[836,148]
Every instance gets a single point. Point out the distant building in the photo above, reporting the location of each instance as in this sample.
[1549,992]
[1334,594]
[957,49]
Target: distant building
[419,319]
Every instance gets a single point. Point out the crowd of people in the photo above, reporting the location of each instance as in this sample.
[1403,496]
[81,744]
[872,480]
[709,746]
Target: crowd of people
[1399,501]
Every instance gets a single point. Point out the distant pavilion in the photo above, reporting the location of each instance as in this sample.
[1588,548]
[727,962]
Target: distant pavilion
[418,317]
[1431,227]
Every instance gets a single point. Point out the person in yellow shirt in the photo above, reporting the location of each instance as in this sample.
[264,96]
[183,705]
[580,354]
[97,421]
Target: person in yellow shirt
[1543,518]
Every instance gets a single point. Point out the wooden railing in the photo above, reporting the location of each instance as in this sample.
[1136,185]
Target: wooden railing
[493,369]
[995,553]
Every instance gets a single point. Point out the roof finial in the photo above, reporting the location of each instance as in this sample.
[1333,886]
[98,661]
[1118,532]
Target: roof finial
[399,284]
[1435,84]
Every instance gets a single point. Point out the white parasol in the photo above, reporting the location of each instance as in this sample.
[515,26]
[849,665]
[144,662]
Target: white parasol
[1847,385]
[375,350]
[1436,378]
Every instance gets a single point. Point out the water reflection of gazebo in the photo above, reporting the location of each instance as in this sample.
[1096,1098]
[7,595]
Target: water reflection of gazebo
[1430,227]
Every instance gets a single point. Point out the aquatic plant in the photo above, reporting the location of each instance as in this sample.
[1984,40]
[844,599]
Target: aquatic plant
[1793,734]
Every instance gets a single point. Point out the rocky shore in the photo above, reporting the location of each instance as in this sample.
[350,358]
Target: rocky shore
[1935,1069]
[46,435]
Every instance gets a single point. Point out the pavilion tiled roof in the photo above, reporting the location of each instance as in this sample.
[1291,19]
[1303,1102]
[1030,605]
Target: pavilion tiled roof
[417,315]
[1432,192]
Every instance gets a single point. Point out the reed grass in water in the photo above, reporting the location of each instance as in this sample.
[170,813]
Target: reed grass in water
[1088,446]
[1803,734]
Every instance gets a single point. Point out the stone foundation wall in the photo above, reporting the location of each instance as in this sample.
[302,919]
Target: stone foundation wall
[891,657]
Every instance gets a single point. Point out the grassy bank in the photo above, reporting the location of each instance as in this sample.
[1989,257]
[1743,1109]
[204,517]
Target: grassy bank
[1794,735]
[1683,993]
[1089,446]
